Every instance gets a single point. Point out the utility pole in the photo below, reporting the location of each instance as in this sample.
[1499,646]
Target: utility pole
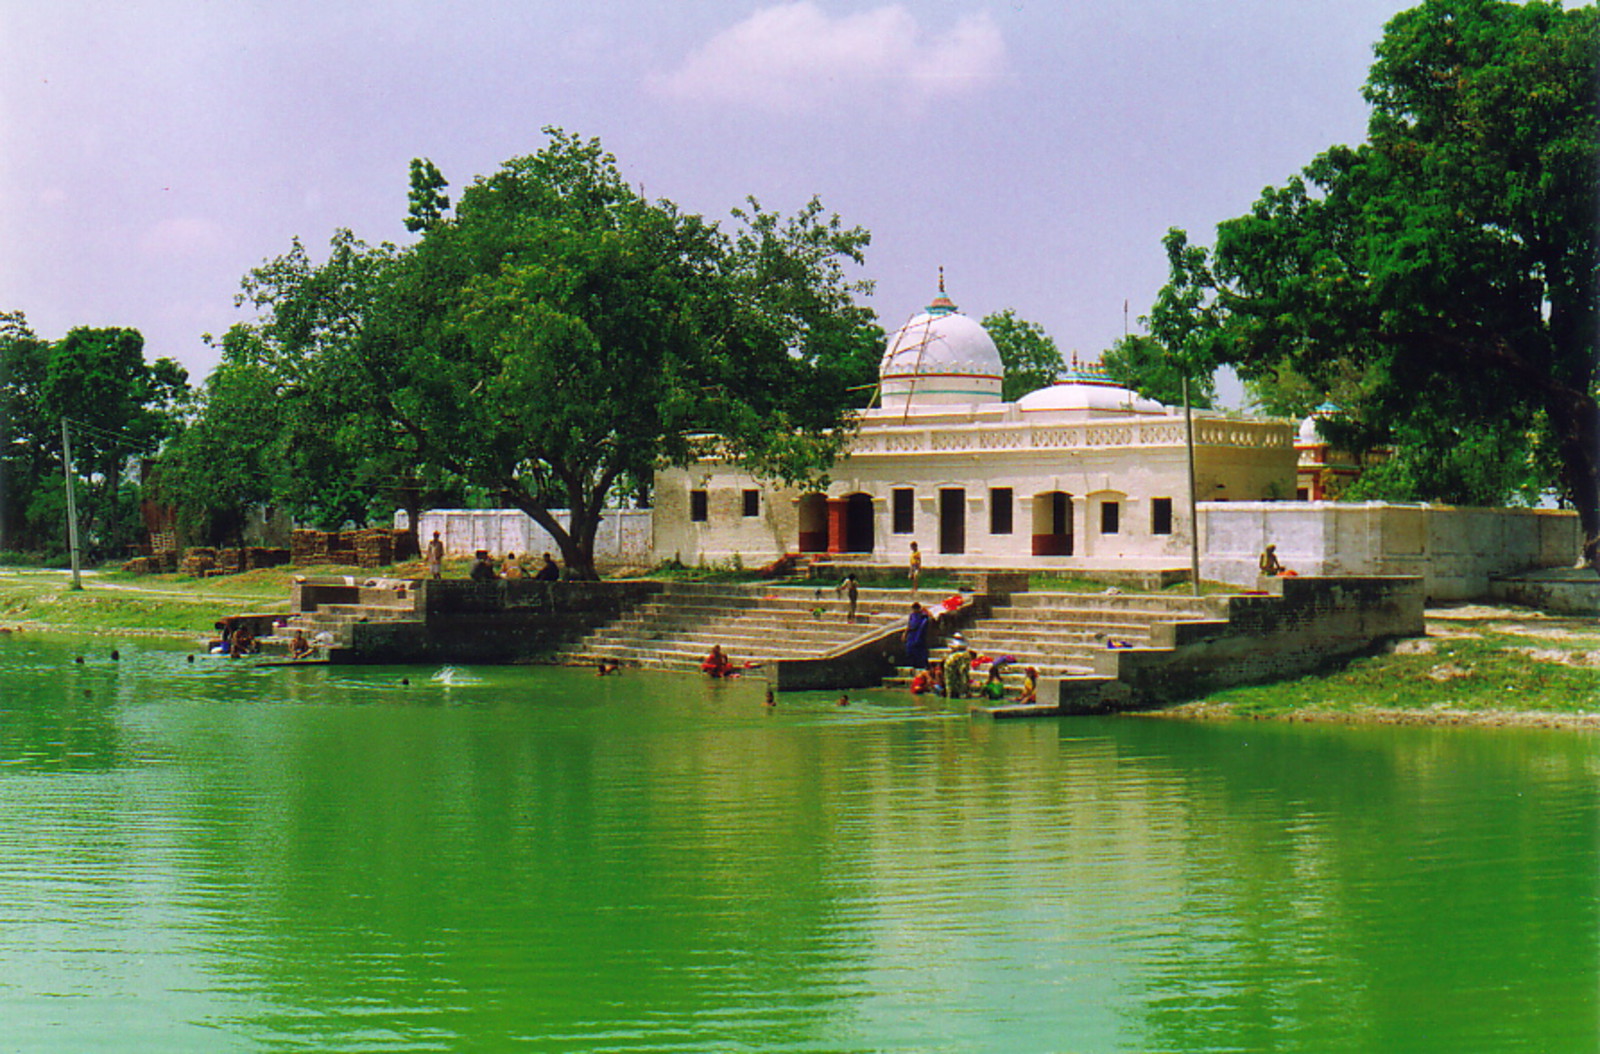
[1194,520]
[72,501]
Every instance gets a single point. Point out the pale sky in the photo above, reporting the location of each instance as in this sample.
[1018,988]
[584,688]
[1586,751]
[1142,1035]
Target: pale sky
[153,151]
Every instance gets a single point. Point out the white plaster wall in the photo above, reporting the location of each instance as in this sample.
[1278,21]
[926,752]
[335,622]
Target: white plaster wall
[975,448]
[623,537]
[1455,550]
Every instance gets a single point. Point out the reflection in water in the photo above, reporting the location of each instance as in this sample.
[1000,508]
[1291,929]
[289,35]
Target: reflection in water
[197,857]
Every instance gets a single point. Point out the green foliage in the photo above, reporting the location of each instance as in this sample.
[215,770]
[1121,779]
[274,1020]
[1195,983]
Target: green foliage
[120,408]
[222,463]
[428,201]
[1141,363]
[560,334]
[1029,354]
[1446,270]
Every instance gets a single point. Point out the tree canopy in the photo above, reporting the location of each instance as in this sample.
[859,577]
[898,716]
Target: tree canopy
[559,334]
[120,407]
[1029,354]
[1140,362]
[1444,275]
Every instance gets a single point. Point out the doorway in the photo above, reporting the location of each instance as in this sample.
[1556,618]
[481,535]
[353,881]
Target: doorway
[858,534]
[953,520]
[1052,524]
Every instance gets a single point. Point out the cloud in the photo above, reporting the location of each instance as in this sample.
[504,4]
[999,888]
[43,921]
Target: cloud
[794,57]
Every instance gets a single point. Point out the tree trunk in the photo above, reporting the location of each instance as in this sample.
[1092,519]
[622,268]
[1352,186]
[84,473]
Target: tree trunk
[578,563]
[1575,421]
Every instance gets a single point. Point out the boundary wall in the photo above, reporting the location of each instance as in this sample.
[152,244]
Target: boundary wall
[623,538]
[1456,551]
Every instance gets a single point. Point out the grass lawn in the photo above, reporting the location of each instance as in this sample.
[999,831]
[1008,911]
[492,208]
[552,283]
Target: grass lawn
[1510,661]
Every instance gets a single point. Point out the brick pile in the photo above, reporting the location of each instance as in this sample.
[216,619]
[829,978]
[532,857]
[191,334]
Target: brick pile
[373,547]
[198,560]
[250,558]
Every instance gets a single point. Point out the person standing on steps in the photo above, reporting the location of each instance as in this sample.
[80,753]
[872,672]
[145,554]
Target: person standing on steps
[851,591]
[917,624]
[914,569]
[957,668]
[436,556]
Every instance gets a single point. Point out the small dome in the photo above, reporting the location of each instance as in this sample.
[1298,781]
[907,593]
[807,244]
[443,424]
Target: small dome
[941,356]
[1086,387]
[1309,433]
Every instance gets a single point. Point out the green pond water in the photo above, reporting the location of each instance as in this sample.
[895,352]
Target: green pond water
[217,857]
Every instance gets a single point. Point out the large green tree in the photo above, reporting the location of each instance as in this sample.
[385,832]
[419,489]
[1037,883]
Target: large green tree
[119,408]
[224,462]
[1139,362]
[1451,262]
[1029,354]
[27,458]
[559,333]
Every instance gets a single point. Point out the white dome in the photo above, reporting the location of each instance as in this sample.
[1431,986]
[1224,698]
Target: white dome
[941,356]
[1087,389]
[1310,433]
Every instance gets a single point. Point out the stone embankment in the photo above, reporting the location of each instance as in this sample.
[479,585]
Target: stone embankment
[1095,652]
[375,620]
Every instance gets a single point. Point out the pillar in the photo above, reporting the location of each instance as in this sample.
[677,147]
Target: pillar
[838,518]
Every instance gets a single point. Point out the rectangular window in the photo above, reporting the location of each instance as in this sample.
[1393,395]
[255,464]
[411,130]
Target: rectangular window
[1160,515]
[1000,507]
[697,506]
[752,503]
[1110,513]
[903,512]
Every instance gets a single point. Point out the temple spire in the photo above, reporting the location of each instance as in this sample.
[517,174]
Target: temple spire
[942,304]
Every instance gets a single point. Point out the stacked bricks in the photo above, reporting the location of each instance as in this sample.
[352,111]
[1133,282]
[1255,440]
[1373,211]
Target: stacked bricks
[162,562]
[198,560]
[373,547]
[250,558]
[308,547]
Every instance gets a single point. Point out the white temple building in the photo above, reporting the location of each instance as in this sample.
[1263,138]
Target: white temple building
[1081,474]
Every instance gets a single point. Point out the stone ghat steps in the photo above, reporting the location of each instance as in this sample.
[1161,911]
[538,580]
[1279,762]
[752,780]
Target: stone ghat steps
[688,648]
[759,624]
[901,678]
[367,611]
[811,611]
[1174,604]
[333,620]
[671,624]
[1046,652]
[795,601]
[1068,624]
[663,658]
[1059,633]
